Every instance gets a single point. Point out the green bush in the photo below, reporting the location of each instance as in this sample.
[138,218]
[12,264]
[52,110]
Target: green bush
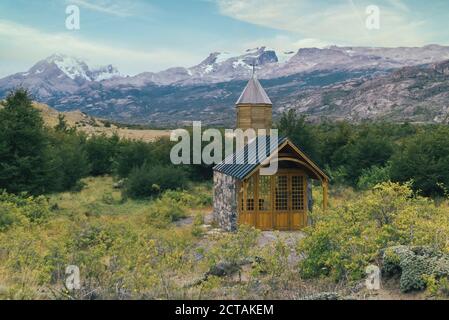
[197,230]
[373,176]
[424,158]
[22,209]
[164,211]
[131,155]
[147,180]
[101,152]
[69,161]
[347,238]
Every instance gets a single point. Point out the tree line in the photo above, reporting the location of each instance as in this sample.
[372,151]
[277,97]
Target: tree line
[365,154]
[41,160]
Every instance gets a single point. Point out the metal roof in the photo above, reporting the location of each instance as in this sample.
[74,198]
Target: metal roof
[250,154]
[254,93]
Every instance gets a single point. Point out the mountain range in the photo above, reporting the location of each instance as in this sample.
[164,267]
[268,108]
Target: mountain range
[354,83]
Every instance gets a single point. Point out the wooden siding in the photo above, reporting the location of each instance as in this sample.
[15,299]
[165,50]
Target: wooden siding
[254,117]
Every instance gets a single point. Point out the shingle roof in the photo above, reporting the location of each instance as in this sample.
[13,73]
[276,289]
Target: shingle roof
[250,154]
[254,93]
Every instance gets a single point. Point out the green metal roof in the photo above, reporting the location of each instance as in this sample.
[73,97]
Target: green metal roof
[234,166]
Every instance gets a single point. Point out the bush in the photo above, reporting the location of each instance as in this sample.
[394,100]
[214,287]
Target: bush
[147,181]
[197,229]
[424,159]
[373,176]
[164,211]
[346,239]
[22,209]
[101,152]
[415,265]
[131,155]
[273,262]
[69,161]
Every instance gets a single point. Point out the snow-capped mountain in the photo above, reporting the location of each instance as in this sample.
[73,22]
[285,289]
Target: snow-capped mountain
[57,75]
[217,67]
[208,90]
[220,66]
[223,67]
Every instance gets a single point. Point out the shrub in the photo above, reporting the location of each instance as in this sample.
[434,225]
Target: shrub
[147,181]
[373,176]
[417,266]
[424,159]
[164,211]
[273,261]
[22,209]
[101,152]
[197,230]
[345,239]
[69,161]
[132,155]
[234,248]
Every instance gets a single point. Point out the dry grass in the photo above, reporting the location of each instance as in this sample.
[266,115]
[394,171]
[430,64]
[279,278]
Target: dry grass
[94,126]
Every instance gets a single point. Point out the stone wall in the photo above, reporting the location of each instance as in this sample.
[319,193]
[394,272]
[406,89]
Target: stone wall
[225,201]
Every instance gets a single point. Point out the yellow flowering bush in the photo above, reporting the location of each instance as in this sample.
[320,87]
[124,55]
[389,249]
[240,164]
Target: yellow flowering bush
[348,237]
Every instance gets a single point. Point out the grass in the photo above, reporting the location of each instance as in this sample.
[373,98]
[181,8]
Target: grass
[135,249]
[98,197]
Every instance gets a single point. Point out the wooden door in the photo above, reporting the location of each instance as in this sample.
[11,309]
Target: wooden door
[265,208]
[248,207]
[298,201]
[281,202]
[274,202]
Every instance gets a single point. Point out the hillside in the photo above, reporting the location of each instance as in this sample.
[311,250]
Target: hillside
[415,94]
[94,126]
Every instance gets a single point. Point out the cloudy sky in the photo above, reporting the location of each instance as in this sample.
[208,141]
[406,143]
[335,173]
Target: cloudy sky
[151,35]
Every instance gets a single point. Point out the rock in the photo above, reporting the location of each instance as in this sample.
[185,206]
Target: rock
[223,269]
[119,184]
[323,296]
[413,264]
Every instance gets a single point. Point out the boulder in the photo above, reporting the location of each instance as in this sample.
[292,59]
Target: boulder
[412,264]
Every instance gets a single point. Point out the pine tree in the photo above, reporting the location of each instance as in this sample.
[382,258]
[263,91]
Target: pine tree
[22,145]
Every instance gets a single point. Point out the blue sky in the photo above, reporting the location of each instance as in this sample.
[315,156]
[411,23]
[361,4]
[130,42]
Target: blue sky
[151,35]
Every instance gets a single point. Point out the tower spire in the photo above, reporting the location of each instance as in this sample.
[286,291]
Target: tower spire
[254,68]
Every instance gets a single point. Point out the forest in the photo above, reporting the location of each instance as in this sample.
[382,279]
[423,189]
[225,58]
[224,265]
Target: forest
[138,227]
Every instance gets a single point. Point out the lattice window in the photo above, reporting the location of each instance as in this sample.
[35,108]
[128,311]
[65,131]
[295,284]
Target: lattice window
[264,193]
[281,202]
[298,193]
[250,194]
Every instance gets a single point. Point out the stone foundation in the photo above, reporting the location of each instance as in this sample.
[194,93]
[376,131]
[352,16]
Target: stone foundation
[225,201]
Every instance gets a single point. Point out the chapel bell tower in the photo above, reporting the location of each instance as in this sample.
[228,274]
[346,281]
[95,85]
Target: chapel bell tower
[254,107]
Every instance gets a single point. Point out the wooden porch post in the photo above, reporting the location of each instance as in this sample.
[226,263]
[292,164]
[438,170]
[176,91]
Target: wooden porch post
[325,194]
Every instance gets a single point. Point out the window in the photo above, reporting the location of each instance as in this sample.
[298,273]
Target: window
[264,193]
[297,193]
[250,194]
[281,202]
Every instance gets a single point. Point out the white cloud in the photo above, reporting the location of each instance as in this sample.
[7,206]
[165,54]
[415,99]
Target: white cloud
[340,22]
[120,8]
[20,45]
